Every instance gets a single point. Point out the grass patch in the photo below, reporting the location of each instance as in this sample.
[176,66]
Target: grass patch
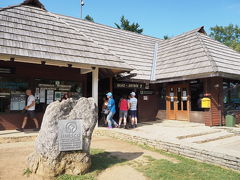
[186,169]
[100,161]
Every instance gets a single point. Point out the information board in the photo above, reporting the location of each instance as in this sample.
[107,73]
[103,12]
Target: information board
[70,135]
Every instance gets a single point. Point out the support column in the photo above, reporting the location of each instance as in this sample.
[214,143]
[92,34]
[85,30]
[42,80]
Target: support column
[95,84]
[111,84]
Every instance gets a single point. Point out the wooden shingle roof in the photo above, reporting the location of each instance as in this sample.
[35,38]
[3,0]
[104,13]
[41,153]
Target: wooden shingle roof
[135,49]
[195,55]
[28,31]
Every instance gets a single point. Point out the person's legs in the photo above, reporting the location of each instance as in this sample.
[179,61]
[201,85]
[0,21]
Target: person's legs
[125,115]
[135,119]
[120,118]
[132,118]
[36,122]
[109,120]
[112,120]
[24,122]
[120,121]
[33,117]
[105,119]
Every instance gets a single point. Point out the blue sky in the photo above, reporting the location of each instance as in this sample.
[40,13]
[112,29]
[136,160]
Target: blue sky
[157,17]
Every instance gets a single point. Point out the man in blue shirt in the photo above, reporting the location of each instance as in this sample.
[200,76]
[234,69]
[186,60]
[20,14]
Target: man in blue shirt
[112,110]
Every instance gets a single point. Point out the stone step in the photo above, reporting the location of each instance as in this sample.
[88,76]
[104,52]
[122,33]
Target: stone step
[197,134]
[208,137]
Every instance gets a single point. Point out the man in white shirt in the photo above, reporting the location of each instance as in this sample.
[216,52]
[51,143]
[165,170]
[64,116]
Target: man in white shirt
[133,109]
[29,111]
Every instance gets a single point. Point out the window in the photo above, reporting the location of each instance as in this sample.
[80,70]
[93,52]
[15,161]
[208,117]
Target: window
[13,98]
[12,94]
[231,95]
[162,98]
[197,93]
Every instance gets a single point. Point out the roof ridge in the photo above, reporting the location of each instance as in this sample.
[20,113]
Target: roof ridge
[9,7]
[208,53]
[75,29]
[135,33]
[154,62]
[199,29]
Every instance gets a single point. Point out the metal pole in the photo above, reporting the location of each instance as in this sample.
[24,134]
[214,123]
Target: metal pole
[81,8]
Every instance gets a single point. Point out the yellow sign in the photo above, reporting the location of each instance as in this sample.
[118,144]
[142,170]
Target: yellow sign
[206,103]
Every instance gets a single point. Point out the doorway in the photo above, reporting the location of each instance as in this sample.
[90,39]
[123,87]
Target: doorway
[178,102]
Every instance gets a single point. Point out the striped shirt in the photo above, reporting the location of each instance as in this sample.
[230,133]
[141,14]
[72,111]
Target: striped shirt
[133,104]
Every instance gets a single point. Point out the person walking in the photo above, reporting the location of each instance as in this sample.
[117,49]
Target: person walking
[112,110]
[133,109]
[123,111]
[29,111]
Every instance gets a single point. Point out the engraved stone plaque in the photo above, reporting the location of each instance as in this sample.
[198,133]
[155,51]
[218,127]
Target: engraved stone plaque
[70,135]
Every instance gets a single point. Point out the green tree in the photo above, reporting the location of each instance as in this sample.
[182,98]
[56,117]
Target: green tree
[165,37]
[125,25]
[89,18]
[228,35]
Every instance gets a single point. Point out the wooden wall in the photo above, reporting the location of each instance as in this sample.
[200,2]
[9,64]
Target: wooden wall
[148,109]
[214,88]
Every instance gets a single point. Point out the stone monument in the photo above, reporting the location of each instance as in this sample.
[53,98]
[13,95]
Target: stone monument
[63,143]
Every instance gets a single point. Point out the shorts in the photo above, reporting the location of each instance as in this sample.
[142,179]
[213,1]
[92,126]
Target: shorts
[30,114]
[133,113]
[123,114]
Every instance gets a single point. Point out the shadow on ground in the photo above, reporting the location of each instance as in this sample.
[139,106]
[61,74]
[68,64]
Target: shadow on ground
[104,160]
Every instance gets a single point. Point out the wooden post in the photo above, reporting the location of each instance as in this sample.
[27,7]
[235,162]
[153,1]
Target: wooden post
[111,84]
[95,84]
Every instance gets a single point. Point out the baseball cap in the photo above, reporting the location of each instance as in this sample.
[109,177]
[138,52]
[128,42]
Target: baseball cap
[133,93]
[109,94]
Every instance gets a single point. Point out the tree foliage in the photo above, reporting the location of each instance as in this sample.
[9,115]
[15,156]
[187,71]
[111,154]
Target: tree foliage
[126,25]
[89,18]
[165,37]
[228,35]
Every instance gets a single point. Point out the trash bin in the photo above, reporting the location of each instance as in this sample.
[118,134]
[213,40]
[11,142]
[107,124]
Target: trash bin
[230,120]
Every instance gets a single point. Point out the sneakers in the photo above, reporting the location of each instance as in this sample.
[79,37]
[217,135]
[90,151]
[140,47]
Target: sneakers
[134,126]
[20,129]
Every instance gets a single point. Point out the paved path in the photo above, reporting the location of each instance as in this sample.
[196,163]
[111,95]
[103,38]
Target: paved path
[192,134]
[13,158]
[219,145]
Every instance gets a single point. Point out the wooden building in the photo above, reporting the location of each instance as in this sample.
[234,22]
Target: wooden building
[54,54]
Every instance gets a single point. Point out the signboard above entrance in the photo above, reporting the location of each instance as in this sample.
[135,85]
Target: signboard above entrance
[129,85]
[70,135]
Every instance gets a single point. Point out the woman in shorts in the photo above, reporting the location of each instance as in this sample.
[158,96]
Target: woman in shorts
[123,111]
